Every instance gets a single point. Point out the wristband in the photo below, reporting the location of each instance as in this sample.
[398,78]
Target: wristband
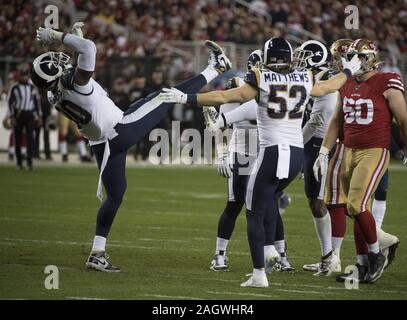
[192,98]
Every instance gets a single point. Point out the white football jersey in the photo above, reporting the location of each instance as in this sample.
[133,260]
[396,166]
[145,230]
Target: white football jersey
[89,106]
[322,110]
[244,132]
[281,103]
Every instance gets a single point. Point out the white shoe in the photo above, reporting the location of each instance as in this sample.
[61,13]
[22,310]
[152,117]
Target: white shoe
[257,281]
[271,258]
[218,58]
[313,267]
[329,264]
[388,244]
[219,263]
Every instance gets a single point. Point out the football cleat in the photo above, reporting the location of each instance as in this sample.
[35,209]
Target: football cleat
[258,281]
[219,263]
[283,265]
[218,58]
[358,274]
[86,159]
[210,116]
[330,263]
[271,258]
[388,243]
[100,261]
[313,267]
[377,263]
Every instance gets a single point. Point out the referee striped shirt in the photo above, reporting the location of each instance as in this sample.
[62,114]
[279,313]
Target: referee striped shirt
[23,96]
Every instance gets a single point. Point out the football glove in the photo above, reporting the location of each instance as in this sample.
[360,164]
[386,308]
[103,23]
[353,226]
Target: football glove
[173,95]
[224,167]
[48,35]
[77,29]
[354,65]
[321,163]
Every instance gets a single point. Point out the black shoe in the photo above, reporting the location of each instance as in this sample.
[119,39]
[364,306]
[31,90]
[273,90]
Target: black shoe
[86,159]
[20,167]
[49,158]
[360,276]
[377,263]
[100,261]
[64,158]
[10,157]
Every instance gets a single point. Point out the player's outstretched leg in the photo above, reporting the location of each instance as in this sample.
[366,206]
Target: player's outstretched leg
[114,180]
[144,114]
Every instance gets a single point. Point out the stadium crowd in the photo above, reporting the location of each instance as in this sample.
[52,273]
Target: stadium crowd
[130,34]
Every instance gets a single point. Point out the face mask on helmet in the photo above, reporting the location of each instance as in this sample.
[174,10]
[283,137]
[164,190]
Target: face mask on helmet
[311,54]
[47,68]
[368,54]
[254,59]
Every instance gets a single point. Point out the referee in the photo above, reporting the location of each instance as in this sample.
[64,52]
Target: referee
[24,110]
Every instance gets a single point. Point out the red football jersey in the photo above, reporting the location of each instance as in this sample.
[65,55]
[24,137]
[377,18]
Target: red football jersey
[367,117]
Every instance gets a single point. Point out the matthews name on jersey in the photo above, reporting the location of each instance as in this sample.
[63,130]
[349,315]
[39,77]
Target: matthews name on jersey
[281,102]
[89,106]
[367,117]
[244,132]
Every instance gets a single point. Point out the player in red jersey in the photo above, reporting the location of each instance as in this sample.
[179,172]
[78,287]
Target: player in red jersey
[363,116]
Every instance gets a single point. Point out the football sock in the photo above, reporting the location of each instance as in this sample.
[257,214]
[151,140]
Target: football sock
[323,229]
[367,225]
[81,147]
[280,246]
[63,147]
[209,73]
[374,247]
[99,244]
[221,245]
[378,211]
[362,259]
[338,225]
[360,243]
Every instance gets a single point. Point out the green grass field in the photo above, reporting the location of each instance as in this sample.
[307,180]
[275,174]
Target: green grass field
[163,239]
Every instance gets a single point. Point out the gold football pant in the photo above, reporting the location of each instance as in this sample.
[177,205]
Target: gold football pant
[333,191]
[361,172]
[64,125]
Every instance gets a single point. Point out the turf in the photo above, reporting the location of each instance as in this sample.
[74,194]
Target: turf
[163,239]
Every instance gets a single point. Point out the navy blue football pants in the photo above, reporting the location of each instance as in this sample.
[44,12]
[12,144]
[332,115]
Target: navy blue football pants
[114,177]
[262,212]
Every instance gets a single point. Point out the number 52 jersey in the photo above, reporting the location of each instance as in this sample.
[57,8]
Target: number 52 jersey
[367,117]
[281,102]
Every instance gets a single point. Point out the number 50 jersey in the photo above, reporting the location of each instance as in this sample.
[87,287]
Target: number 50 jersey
[89,106]
[367,117]
[281,102]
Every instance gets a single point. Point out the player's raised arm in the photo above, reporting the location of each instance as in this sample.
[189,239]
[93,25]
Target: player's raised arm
[322,88]
[85,48]
[214,98]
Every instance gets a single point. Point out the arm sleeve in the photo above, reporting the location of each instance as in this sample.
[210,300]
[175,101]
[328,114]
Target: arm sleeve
[309,129]
[86,50]
[246,111]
